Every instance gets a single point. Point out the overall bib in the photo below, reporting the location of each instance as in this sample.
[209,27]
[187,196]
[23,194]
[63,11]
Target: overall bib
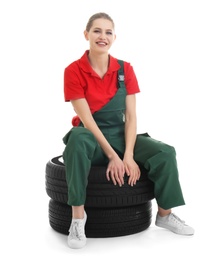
[82,151]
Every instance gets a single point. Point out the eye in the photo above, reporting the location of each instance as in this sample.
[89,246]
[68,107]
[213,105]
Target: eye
[96,31]
[109,33]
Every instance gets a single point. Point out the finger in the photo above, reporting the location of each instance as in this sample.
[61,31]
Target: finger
[118,179]
[131,179]
[108,174]
[127,171]
[139,174]
[134,179]
[121,176]
[112,175]
[122,179]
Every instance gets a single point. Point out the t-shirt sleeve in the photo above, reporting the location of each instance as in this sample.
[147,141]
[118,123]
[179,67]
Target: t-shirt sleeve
[131,81]
[73,88]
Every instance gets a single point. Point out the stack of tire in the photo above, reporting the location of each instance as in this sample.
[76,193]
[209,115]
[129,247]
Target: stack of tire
[111,210]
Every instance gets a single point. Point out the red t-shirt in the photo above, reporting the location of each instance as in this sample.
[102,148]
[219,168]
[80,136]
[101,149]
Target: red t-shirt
[81,81]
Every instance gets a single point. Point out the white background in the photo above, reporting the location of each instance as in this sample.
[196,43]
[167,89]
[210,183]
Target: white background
[176,49]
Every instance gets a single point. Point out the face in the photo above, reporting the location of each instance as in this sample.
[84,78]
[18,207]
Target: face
[101,35]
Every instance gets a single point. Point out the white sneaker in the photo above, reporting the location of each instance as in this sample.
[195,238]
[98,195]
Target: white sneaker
[174,224]
[77,237]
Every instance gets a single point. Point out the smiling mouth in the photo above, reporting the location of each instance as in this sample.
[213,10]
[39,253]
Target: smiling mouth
[101,43]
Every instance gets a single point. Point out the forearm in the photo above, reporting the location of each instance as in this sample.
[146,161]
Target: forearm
[130,136]
[130,126]
[108,150]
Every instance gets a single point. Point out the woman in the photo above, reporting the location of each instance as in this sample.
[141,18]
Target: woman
[104,133]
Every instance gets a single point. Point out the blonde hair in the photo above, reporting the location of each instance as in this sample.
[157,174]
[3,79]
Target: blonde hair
[98,16]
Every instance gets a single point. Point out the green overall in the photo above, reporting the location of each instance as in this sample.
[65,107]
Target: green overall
[82,151]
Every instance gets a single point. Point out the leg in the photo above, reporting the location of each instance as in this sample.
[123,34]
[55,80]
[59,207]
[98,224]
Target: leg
[80,152]
[159,159]
[163,212]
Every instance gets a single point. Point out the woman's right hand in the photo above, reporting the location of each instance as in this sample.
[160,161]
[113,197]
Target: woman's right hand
[115,171]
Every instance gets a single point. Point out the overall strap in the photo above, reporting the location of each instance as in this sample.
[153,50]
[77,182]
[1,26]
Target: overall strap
[121,74]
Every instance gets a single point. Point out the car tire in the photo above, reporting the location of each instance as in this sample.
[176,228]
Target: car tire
[103,222]
[101,193]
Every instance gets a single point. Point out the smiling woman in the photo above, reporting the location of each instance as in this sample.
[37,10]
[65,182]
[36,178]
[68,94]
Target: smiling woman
[101,36]
[176,50]
[102,92]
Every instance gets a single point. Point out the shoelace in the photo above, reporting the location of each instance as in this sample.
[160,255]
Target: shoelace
[76,230]
[177,218]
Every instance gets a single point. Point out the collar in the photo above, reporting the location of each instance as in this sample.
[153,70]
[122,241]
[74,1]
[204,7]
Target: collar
[85,64]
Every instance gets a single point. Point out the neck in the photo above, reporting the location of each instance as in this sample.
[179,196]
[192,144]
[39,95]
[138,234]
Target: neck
[98,61]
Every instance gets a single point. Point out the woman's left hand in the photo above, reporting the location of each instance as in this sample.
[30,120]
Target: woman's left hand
[132,170]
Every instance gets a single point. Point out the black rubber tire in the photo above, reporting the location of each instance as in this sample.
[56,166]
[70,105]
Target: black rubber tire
[101,223]
[101,193]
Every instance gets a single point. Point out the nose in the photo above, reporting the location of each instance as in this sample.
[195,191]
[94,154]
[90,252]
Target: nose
[103,36]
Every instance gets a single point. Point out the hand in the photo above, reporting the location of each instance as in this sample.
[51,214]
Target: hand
[132,170]
[116,171]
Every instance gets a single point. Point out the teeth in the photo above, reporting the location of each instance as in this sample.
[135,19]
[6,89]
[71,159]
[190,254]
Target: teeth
[101,43]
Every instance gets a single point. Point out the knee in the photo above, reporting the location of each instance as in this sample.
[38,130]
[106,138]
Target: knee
[168,154]
[80,143]
[78,136]
[168,150]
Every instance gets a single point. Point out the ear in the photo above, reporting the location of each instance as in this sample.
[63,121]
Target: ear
[86,35]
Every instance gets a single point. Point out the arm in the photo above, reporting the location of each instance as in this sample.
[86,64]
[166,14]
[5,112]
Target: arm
[131,166]
[115,167]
